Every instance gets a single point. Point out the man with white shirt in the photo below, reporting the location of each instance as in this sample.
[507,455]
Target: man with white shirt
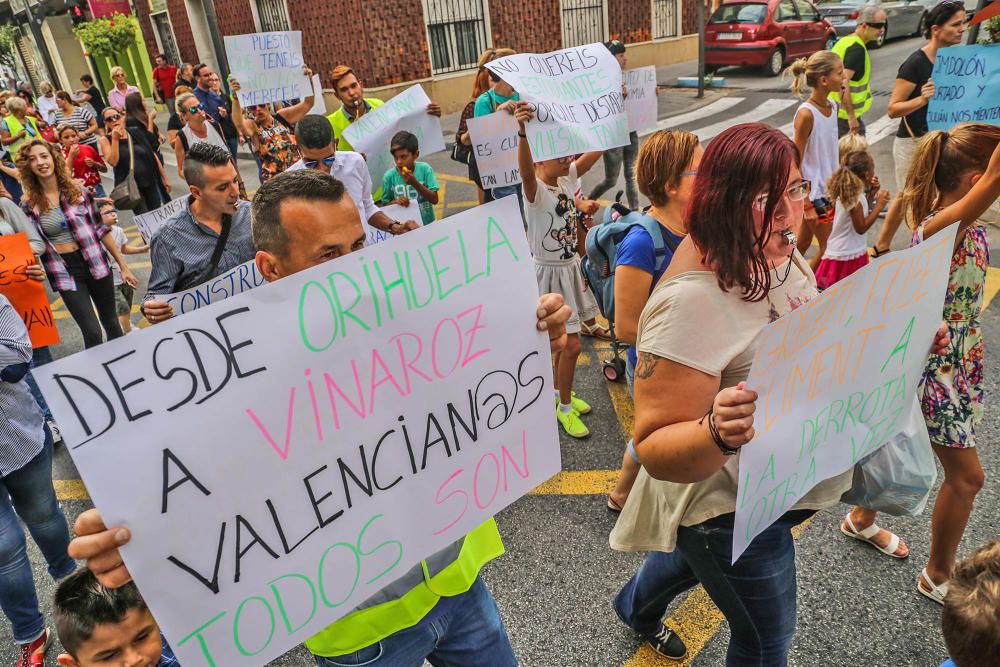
[314,135]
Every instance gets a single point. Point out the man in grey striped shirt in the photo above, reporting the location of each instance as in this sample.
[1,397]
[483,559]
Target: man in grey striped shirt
[25,491]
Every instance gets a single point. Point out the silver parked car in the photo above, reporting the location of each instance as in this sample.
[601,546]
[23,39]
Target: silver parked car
[903,17]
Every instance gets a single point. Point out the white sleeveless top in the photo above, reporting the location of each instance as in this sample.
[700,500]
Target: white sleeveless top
[213,137]
[822,156]
[844,242]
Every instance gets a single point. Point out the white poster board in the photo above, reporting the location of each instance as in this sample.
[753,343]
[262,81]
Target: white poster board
[640,103]
[147,223]
[268,66]
[293,449]
[397,213]
[372,133]
[836,379]
[236,280]
[494,147]
[319,102]
[577,97]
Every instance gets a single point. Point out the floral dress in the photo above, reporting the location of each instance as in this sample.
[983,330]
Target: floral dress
[277,148]
[951,390]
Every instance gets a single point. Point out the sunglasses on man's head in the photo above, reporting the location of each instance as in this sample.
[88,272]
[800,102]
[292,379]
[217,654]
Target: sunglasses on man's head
[328,161]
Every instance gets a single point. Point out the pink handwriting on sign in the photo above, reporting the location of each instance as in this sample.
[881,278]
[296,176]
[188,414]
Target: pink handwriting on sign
[485,480]
[391,370]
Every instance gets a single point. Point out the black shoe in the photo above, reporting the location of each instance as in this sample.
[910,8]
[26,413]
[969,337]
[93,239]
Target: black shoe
[667,643]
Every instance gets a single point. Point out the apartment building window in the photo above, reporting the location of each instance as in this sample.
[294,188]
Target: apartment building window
[583,22]
[666,15]
[165,37]
[271,15]
[457,32]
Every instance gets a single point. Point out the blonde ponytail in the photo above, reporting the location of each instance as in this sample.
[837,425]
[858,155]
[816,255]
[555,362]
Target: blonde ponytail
[807,73]
[797,70]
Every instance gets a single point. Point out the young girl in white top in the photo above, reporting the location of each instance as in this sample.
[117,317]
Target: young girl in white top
[816,138]
[856,212]
[551,210]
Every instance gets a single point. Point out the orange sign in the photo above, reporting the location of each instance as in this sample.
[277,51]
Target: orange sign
[26,295]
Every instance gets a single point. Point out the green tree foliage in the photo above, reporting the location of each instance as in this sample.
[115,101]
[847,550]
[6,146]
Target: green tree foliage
[108,36]
[8,51]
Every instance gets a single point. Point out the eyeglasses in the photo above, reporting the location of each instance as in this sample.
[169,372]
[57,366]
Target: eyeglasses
[797,192]
[878,25]
[328,161]
[195,109]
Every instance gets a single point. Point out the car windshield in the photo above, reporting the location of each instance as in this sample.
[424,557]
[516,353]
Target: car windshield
[739,13]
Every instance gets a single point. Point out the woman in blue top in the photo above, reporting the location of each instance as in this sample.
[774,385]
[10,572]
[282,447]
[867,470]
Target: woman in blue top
[664,173]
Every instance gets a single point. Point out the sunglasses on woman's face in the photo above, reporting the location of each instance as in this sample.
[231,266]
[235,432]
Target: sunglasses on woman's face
[112,118]
[196,109]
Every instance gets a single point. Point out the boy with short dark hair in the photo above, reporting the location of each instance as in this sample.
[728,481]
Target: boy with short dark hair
[971,615]
[101,626]
[410,179]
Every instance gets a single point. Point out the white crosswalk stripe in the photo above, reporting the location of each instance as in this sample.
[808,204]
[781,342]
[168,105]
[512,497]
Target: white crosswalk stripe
[718,106]
[765,110]
[880,129]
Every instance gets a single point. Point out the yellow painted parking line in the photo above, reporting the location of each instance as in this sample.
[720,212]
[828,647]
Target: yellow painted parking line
[454,179]
[992,286]
[70,489]
[439,207]
[578,483]
[463,204]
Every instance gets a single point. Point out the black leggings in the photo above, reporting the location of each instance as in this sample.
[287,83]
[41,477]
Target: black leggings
[90,294]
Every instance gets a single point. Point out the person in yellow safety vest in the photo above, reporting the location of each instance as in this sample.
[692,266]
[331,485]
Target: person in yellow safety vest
[440,609]
[856,96]
[17,127]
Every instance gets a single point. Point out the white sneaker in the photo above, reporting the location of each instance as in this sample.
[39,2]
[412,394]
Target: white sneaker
[54,430]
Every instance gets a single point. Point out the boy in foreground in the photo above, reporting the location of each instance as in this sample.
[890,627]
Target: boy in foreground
[409,179]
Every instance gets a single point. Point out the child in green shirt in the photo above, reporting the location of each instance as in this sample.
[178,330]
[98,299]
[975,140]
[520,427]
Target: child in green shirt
[410,179]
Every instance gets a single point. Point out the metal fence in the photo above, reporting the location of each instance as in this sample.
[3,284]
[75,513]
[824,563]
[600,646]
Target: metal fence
[665,18]
[583,22]
[165,32]
[456,30]
[273,16]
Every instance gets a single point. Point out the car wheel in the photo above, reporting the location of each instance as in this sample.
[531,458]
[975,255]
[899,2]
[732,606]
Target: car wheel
[880,40]
[921,25]
[774,63]
[830,41]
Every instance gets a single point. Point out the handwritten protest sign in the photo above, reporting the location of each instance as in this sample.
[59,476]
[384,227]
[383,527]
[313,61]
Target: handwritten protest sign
[577,97]
[966,86]
[372,133]
[398,213]
[150,222]
[319,104]
[236,280]
[640,103]
[306,443]
[494,147]
[268,66]
[837,378]
[25,294]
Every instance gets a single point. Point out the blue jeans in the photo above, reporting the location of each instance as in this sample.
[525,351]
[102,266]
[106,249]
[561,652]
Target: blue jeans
[39,357]
[469,634]
[28,492]
[13,186]
[756,595]
[234,145]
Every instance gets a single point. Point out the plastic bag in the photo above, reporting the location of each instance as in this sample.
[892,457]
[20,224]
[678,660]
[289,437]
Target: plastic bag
[897,478]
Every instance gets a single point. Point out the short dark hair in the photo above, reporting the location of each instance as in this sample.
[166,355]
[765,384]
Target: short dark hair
[405,140]
[86,78]
[615,46]
[197,69]
[200,156]
[82,603]
[160,55]
[265,211]
[314,132]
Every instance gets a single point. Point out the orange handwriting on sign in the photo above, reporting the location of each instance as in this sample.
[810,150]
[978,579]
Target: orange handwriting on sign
[26,295]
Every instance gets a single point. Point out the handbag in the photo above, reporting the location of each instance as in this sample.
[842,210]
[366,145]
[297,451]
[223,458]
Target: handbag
[460,152]
[209,273]
[897,478]
[126,195]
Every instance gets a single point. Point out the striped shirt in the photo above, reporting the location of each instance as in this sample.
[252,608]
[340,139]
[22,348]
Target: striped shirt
[80,120]
[22,429]
[85,225]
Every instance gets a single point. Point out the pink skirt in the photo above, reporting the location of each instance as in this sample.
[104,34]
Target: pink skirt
[831,271]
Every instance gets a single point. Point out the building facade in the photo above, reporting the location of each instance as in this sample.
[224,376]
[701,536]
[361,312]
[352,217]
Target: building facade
[395,43]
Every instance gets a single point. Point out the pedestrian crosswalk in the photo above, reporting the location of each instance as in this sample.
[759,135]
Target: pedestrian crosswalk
[755,114]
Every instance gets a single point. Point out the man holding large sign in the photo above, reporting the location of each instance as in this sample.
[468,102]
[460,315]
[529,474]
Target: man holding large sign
[292,224]
[576,95]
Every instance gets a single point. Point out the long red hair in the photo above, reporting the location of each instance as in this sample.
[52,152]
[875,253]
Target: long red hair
[739,164]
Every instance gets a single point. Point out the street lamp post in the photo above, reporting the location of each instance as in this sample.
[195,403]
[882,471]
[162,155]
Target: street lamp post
[701,47]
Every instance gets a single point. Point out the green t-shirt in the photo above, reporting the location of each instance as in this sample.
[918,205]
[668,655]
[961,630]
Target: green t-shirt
[394,186]
[488,102]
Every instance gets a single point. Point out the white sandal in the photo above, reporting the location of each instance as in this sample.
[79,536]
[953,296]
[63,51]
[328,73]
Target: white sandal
[937,591]
[868,533]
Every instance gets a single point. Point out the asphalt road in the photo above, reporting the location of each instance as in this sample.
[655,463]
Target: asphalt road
[556,582]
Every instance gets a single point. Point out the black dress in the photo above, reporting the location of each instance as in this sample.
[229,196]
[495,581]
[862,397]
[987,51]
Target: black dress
[147,174]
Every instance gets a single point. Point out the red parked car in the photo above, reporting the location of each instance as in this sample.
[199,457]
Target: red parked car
[767,34]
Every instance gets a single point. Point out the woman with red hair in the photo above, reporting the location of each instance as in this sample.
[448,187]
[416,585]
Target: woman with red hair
[737,270]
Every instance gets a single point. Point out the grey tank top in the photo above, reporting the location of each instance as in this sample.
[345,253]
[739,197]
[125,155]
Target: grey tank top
[55,226]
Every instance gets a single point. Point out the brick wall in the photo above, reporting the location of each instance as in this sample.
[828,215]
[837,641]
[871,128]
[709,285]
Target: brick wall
[689,16]
[148,38]
[630,20]
[527,25]
[235,17]
[182,31]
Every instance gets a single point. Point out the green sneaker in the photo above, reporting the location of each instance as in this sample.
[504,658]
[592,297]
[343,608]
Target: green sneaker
[572,424]
[580,405]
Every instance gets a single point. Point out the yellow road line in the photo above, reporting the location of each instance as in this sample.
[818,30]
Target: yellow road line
[463,204]
[992,286]
[70,489]
[454,179]
[578,483]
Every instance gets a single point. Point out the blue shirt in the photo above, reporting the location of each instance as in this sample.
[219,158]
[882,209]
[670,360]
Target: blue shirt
[948,663]
[488,102]
[637,250]
[167,657]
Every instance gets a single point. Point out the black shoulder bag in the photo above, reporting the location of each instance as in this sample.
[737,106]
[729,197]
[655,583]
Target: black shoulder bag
[209,273]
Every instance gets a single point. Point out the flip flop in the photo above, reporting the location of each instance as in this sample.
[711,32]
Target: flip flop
[614,507]
[596,331]
[937,592]
[868,533]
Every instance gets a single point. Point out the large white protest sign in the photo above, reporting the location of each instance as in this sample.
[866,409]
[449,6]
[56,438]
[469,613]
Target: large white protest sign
[282,455]
[494,147]
[268,66]
[577,97]
[397,213]
[372,133]
[319,103]
[837,378]
[640,103]
[147,223]
[236,280]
